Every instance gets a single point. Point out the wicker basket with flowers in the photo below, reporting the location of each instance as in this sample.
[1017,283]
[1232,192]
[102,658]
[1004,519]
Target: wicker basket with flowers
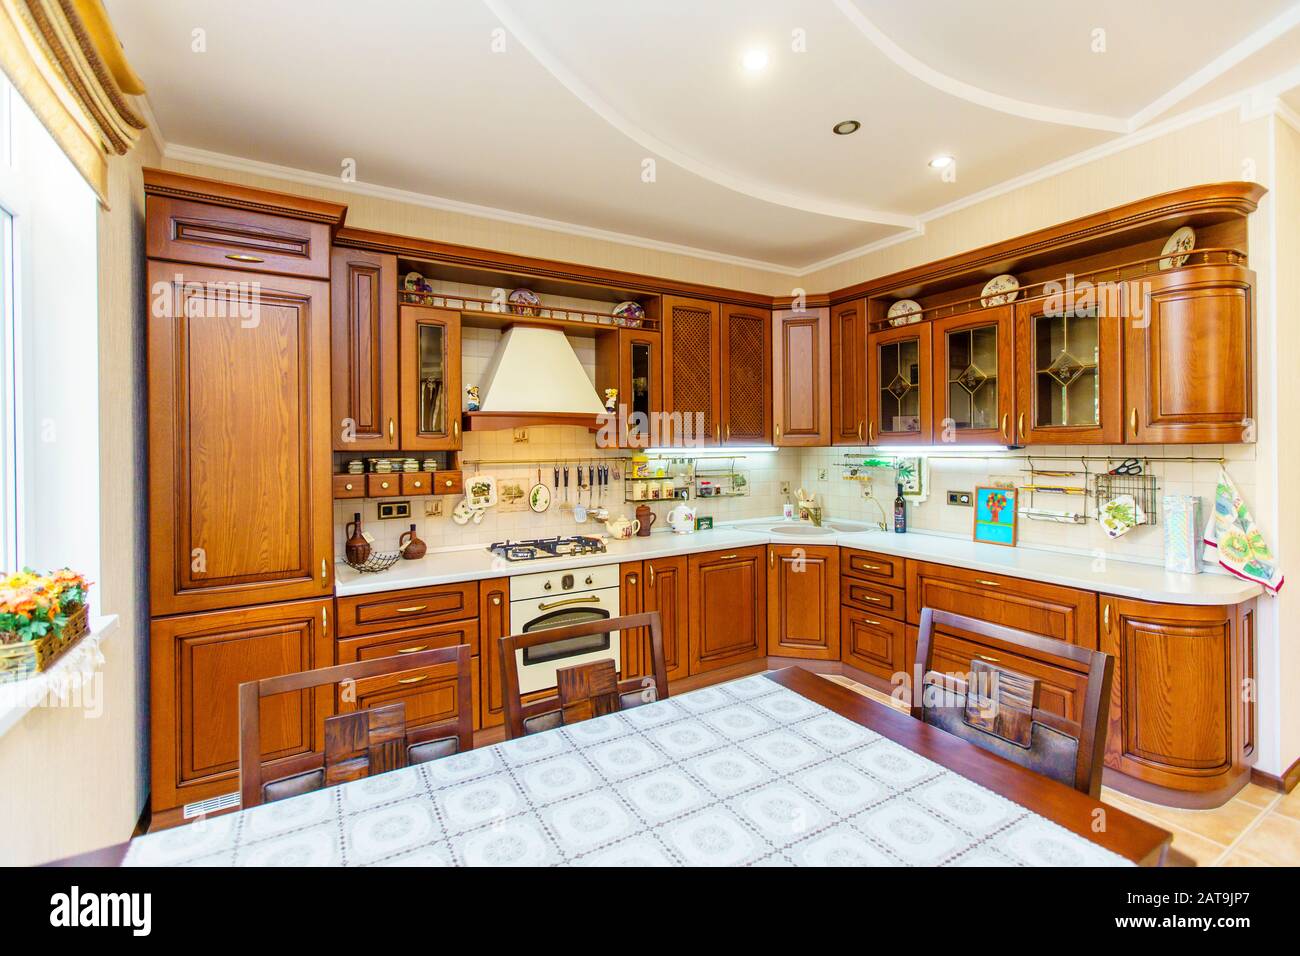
[41,616]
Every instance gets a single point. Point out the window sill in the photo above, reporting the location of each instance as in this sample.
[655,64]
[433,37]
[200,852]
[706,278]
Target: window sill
[62,685]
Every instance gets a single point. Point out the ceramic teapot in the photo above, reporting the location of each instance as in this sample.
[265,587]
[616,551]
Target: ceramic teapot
[682,519]
[622,526]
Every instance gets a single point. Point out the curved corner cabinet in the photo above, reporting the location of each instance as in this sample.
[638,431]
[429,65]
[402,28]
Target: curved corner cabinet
[1183,720]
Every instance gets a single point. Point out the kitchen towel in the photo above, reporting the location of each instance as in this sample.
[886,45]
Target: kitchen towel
[1240,546]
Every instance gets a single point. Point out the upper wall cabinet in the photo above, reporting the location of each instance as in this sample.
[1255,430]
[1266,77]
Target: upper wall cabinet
[974,376]
[1190,357]
[640,364]
[1069,372]
[745,376]
[363,333]
[429,380]
[849,373]
[899,395]
[801,377]
[692,344]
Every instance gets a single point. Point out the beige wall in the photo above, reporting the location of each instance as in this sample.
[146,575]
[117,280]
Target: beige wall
[71,782]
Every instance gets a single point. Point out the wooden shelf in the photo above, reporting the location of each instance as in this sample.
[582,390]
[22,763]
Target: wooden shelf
[495,421]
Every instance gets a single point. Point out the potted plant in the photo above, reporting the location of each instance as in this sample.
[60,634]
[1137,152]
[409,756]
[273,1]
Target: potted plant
[41,616]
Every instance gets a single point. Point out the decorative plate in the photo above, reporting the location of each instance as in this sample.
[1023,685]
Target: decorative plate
[629,313]
[1183,240]
[1000,290]
[904,312]
[524,302]
[415,282]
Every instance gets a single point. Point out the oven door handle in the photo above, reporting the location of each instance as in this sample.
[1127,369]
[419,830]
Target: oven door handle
[589,599]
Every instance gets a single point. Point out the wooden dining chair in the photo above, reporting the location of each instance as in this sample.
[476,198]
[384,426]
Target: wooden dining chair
[357,743]
[583,690]
[997,709]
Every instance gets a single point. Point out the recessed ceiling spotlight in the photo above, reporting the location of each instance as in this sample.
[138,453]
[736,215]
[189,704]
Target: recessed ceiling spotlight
[845,127]
[941,162]
[754,60]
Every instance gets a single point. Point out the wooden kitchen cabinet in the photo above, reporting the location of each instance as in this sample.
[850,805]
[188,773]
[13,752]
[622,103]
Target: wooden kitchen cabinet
[1190,357]
[640,384]
[383,611]
[198,661]
[692,355]
[801,377]
[899,394]
[745,376]
[1064,613]
[429,378]
[1070,371]
[728,607]
[494,624]
[656,584]
[363,339]
[849,373]
[803,601]
[974,377]
[1183,727]
[240,483]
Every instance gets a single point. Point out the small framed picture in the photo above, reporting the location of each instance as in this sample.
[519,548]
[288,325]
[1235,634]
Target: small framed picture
[704,522]
[995,516]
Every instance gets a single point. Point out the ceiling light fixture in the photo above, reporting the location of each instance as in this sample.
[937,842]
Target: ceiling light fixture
[754,60]
[845,127]
[941,162]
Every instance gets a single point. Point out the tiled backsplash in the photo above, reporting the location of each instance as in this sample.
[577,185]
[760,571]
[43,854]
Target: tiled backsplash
[845,498]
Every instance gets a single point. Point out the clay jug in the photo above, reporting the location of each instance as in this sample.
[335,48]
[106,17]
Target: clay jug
[410,545]
[646,518]
[357,549]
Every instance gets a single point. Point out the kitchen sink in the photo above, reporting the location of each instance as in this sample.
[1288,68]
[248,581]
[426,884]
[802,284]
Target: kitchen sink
[802,530]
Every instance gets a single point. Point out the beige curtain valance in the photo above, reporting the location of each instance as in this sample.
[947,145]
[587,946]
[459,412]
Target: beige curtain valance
[66,61]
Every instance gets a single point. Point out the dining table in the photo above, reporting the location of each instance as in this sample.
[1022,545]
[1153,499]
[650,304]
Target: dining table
[783,768]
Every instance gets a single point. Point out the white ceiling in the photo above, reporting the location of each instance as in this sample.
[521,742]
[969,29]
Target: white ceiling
[557,126]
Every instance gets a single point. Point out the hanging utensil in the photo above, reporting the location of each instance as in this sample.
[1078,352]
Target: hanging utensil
[539,496]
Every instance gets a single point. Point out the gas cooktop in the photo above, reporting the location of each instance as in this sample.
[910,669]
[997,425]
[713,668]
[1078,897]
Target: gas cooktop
[556,547]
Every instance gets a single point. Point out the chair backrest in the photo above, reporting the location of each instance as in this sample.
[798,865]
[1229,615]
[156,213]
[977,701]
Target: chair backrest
[308,772]
[997,709]
[586,690]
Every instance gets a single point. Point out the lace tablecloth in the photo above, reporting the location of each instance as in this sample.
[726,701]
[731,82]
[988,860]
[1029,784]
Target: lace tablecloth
[743,773]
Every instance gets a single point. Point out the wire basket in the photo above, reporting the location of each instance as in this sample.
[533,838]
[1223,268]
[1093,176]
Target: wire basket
[1143,488]
[378,561]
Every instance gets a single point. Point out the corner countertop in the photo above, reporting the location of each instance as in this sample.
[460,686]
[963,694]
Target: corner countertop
[1131,579]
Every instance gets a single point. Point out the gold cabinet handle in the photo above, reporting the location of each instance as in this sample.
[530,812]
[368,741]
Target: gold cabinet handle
[564,602]
[413,650]
[1105,618]
[1133,421]
[869,567]
[240,257]
[778,432]
[865,597]
[992,584]
[392,429]
[867,620]
[496,600]
[652,576]
[1005,416]
[727,557]
[771,558]
[718,432]
[985,657]
[412,609]
[412,680]
[728,433]
[455,429]
[1020,425]
[325,621]
[323,569]
[631,579]
[871,432]
[859,430]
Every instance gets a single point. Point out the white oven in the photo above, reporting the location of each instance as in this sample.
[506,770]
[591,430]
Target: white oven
[558,599]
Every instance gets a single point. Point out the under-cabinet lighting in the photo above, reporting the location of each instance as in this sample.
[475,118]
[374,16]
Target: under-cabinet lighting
[716,451]
[936,449]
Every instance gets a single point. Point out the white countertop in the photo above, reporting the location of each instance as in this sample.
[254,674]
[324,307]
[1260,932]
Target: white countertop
[1107,576]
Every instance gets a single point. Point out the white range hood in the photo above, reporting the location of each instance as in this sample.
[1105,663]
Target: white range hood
[535,370]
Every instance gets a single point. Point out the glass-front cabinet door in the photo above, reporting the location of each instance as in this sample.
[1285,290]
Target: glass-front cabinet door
[430,397]
[1068,372]
[640,374]
[974,377]
[898,386]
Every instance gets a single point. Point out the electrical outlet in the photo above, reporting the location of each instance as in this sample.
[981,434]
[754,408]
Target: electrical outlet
[521,436]
[394,509]
[963,498]
[433,507]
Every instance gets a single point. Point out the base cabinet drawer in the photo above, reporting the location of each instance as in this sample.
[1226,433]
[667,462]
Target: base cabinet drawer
[873,643]
[873,598]
[884,569]
[390,610]
[1064,613]
[429,694]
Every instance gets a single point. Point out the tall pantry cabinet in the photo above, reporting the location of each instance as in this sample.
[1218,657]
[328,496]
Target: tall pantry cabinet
[240,516]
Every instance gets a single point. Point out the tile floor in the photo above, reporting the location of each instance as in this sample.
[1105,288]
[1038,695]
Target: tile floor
[1257,827]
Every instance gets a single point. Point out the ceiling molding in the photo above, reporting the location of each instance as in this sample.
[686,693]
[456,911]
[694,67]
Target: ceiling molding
[648,141]
[203,157]
[970,93]
[1279,25]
